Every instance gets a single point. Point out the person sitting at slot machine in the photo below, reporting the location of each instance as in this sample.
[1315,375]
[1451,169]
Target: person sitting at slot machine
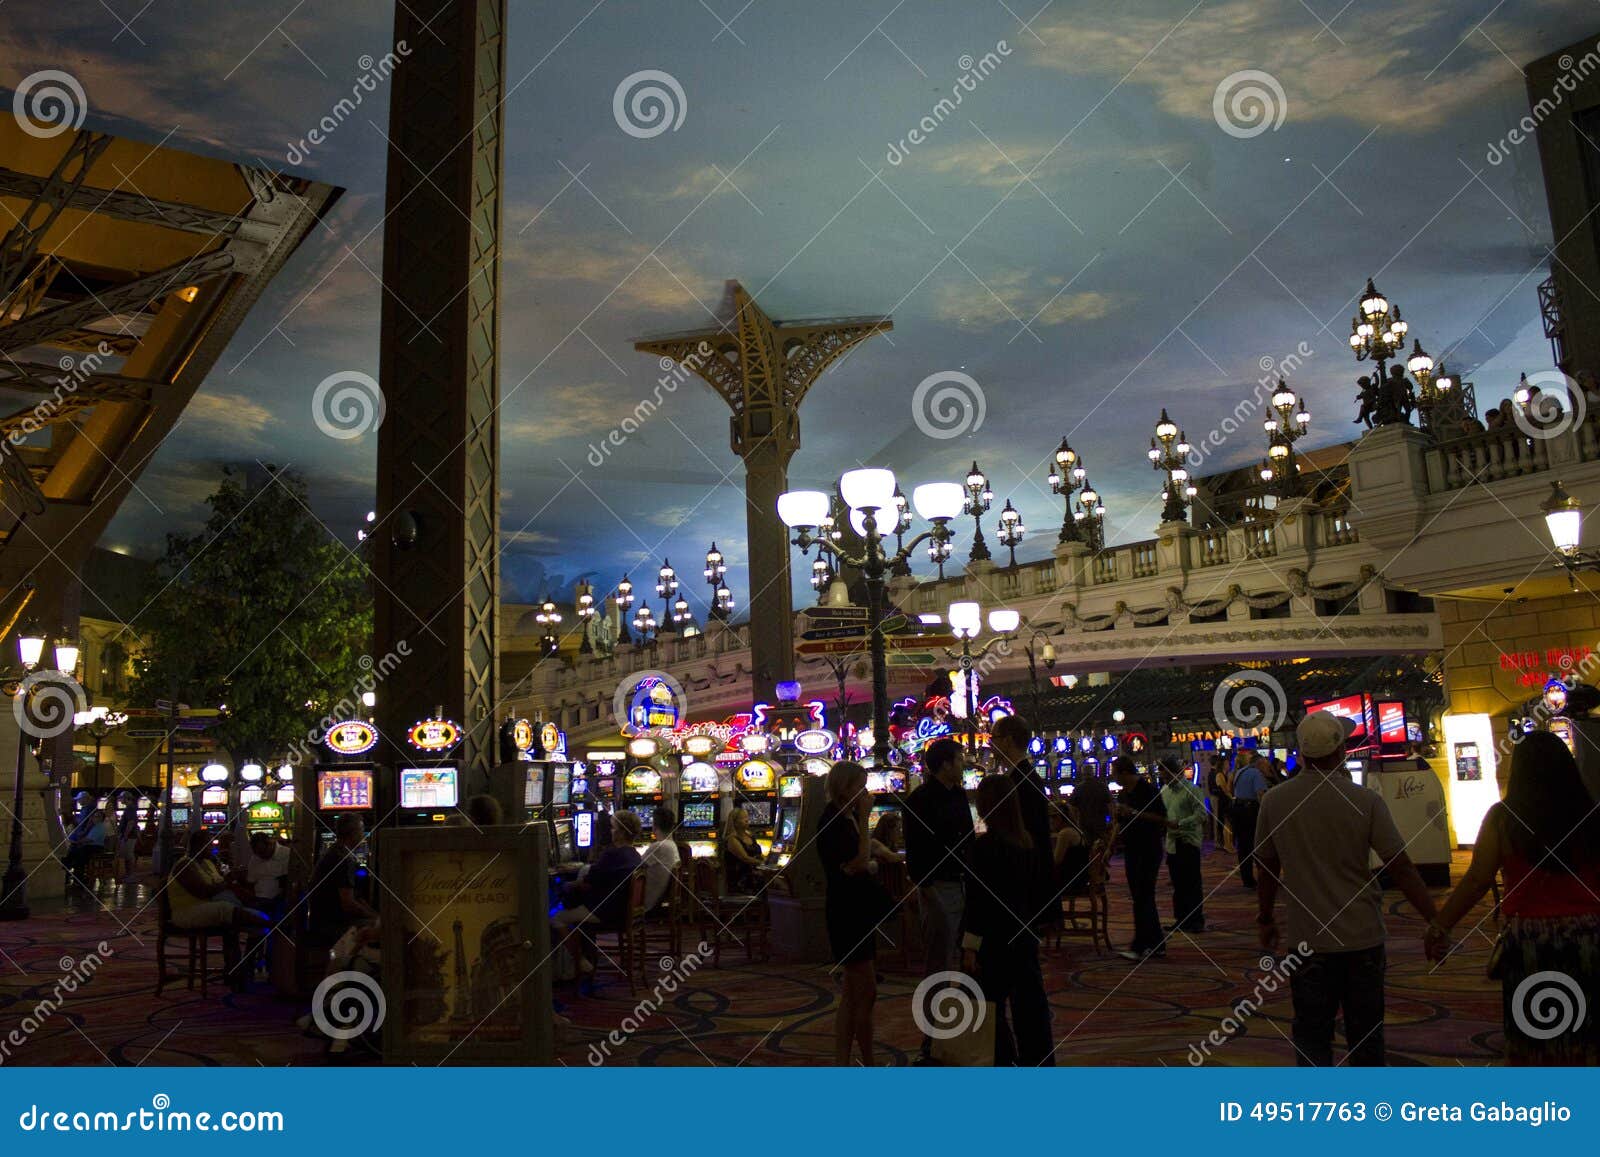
[660,858]
[265,872]
[888,838]
[484,811]
[741,855]
[332,905]
[600,894]
[200,898]
[88,840]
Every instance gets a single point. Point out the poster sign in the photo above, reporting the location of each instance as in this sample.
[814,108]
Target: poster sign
[465,930]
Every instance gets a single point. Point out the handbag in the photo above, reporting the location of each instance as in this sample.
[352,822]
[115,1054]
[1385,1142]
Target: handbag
[1496,968]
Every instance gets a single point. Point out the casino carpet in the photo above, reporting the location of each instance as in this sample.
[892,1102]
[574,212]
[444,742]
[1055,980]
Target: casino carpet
[1107,1011]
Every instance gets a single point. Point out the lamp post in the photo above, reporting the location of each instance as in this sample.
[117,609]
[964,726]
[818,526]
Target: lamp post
[13,892]
[721,596]
[902,524]
[1047,653]
[1287,426]
[1091,516]
[979,498]
[683,618]
[586,612]
[1378,334]
[549,618]
[1066,476]
[870,492]
[645,625]
[1011,530]
[1563,516]
[1169,452]
[666,588]
[624,601]
[965,621]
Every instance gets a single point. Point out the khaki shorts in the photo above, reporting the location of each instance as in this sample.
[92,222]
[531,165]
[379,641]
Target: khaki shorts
[205,914]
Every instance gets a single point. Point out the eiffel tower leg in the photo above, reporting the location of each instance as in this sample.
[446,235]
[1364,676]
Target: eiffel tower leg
[771,602]
[438,448]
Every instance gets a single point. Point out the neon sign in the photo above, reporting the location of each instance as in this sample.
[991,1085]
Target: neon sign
[434,734]
[350,737]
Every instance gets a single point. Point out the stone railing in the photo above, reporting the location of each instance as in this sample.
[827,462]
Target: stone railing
[1509,453]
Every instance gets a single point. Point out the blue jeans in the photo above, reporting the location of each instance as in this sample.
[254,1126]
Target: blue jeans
[1327,982]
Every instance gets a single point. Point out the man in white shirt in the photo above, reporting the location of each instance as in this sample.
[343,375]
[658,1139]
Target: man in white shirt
[660,859]
[265,870]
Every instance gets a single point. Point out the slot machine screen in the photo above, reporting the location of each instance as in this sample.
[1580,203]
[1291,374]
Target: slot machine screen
[877,782]
[698,777]
[560,784]
[700,815]
[878,812]
[1392,731]
[642,781]
[533,788]
[214,797]
[286,793]
[344,790]
[428,787]
[759,811]
[583,829]
[788,822]
[970,778]
[566,849]
[790,787]
[647,816]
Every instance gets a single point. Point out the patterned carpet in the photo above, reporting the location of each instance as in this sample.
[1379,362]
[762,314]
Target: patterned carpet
[1107,1011]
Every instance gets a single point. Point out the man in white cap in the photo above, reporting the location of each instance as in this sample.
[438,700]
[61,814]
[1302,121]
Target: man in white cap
[1315,835]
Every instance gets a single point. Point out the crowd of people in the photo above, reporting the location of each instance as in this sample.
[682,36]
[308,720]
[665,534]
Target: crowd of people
[988,893]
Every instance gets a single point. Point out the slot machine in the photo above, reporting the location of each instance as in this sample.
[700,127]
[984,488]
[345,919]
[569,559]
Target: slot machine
[181,802]
[215,796]
[266,816]
[755,789]
[428,784]
[252,784]
[643,786]
[281,793]
[343,781]
[699,807]
[592,809]
[1064,769]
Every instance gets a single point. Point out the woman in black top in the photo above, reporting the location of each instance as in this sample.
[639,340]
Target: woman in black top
[1143,821]
[741,855]
[856,904]
[999,946]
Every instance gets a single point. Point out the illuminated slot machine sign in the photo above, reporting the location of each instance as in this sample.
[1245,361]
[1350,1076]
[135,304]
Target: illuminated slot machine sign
[816,741]
[653,704]
[350,737]
[265,816]
[604,768]
[181,800]
[1089,764]
[434,736]
[755,775]
[641,792]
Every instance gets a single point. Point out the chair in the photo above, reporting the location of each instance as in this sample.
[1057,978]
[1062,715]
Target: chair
[1091,905]
[662,926]
[719,915]
[199,947]
[628,935]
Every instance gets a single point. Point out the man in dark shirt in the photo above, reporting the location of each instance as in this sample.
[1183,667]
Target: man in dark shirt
[1144,834]
[938,828]
[332,905]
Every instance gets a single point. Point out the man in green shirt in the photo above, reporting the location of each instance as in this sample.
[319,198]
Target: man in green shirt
[1186,819]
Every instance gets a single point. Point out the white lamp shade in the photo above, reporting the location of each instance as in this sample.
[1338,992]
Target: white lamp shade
[1003,622]
[858,522]
[867,489]
[67,657]
[803,507]
[935,500]
[964,619]
[30,649]
[1566,527]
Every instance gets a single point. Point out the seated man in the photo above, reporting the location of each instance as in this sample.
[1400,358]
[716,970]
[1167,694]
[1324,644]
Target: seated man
[600,894]
[265,871]
[88,840]
[660,858]
[332,906]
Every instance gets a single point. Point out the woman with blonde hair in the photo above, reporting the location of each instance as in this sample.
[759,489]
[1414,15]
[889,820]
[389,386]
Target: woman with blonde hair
[856,904]
[741,855]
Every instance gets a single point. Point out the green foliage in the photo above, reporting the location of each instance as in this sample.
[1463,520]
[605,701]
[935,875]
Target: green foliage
[263,611]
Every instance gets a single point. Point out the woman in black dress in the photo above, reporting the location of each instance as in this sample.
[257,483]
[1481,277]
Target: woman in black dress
[856,905]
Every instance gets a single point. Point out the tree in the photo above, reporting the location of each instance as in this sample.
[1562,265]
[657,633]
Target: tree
[263,613]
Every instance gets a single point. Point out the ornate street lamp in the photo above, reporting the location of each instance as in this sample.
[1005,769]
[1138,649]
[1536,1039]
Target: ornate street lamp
[1047,655]
[13,892]
[1378,334]
[901,525]
[624,601]
[1563,516]
[586,612]
[1091,517]
[645,625]
[1169,453]
[666,588]
[1067,475]
[870,493]
[549,618]
[979,498]
[721,596]
[1287,425]
[1011,530]
[965,621]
